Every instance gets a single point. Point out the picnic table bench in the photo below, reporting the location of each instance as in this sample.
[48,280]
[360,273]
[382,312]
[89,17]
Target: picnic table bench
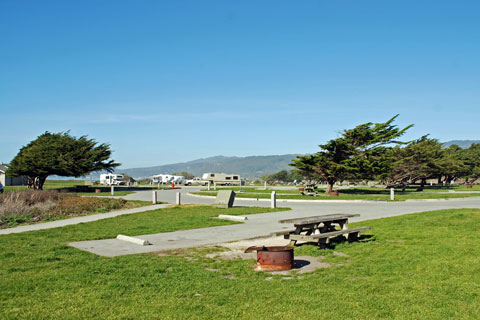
[309,190]
[320,229]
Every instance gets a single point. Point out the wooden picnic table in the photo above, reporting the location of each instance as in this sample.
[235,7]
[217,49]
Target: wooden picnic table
[320,229]
[309,190]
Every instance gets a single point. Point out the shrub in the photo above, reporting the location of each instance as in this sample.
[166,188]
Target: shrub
[18,203]
[75,205]
[35,205]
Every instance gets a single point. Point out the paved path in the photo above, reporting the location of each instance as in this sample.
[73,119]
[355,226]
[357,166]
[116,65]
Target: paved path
[259,224]
[76,220]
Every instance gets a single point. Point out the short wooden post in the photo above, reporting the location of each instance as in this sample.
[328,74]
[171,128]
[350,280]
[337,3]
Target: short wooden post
[112,190]
[392,194]
[273,201]
[208,185]
[154,197]
[178,198]
[214,185]
[265,185]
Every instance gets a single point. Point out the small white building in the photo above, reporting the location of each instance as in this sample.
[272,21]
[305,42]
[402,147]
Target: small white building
[10,181]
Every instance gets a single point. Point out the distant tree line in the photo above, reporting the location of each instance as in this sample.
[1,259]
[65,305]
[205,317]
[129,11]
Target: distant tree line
[283,176]
[372,151]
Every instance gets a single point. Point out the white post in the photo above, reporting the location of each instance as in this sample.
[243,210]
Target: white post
[154,197]
[208,185]
[265,185]
[273,203]
[214,185]
[392,194]
[112,190]
[178,197]
[159,185]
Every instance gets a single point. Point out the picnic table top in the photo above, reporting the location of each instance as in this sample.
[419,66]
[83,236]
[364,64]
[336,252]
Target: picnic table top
[319,219]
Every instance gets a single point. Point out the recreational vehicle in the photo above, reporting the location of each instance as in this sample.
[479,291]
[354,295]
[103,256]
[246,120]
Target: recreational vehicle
[222,178]
[178,179]
[162,178]
[110,179]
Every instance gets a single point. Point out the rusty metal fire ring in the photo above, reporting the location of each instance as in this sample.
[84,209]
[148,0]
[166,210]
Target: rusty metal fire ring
[274,258]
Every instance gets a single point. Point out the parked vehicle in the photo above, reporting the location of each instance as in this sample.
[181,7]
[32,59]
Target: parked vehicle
[178,179]
[196,182]
[112,179]
[1,187]
[162,178]
[222,178]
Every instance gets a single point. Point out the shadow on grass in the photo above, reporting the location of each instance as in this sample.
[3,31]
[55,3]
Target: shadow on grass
[298,263]
[339,240]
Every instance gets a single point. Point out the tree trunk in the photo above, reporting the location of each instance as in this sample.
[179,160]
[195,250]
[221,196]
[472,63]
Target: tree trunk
[41,182]
[424,181]
[330,184]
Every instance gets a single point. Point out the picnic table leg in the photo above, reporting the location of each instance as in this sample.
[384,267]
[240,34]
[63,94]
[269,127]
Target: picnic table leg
[353,236]
[344,226]
[323,243]
[298,230]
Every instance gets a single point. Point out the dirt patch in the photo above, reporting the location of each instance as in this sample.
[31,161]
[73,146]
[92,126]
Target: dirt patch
[302,264]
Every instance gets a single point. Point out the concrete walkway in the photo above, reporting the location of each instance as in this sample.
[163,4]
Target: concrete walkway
[258,225]
[76,220]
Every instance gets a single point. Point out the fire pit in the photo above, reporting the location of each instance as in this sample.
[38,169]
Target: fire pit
[275,258]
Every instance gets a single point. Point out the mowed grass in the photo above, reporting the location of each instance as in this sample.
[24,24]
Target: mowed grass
[50,184]
[418,266]
[354,193]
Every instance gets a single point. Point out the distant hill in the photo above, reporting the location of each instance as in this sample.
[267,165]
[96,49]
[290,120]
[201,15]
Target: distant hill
[464,144]
[247,167]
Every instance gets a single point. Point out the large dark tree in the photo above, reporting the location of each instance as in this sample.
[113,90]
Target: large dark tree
[60,154]
[419,160]
[472,161]
[358,153]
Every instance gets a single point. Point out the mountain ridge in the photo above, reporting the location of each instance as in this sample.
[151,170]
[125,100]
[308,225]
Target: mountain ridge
[246,167]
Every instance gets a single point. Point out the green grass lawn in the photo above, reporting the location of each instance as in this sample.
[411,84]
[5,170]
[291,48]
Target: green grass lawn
[346,195]
[418,266]
[50,184]
[354,193]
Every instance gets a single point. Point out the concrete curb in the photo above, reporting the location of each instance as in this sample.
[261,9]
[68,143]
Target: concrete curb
[447,199]
[295,200]
[338,201]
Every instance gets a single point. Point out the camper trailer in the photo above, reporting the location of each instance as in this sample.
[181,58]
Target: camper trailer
[112,179]
[178,179]
[222,178]
[162,178]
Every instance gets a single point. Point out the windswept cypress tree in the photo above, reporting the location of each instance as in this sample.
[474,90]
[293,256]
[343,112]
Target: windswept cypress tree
[359,153]
[60,154]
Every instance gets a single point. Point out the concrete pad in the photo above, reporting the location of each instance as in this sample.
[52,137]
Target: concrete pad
[133,240]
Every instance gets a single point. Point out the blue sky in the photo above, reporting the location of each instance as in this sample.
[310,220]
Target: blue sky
[173,81]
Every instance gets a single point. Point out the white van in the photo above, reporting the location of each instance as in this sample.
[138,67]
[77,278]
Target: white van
[112,179]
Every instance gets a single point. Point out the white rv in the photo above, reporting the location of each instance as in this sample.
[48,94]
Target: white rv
[222,178]
[162,178]
[112,179]
[178,179]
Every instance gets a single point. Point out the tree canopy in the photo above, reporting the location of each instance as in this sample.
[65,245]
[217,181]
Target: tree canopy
[358,153]
[60,154]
